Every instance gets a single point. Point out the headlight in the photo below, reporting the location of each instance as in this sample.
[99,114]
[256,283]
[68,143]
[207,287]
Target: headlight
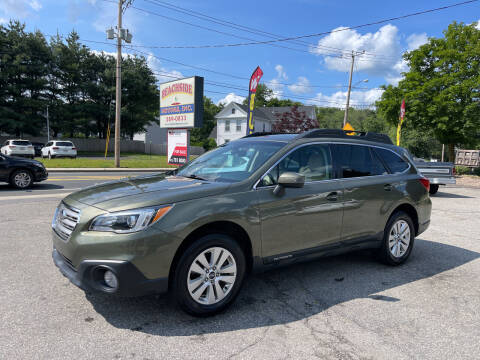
[129,221]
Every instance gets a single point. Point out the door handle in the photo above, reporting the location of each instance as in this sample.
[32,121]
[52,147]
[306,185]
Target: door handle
[333,196]
[388,187]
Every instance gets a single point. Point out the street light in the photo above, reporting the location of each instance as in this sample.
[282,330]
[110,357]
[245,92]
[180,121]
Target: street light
[358,82]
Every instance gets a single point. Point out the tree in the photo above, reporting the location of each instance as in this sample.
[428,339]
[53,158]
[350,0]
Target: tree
[441,88]
[293,121]
[199,136]
[24,59]
[265,97]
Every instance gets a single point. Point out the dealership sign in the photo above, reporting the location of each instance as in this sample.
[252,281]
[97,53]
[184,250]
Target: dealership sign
[181,103]
[177,146]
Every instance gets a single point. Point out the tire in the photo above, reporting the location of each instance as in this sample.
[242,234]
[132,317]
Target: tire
[433,189]
[50,156]
[21,179]
[393,251]
[208,286]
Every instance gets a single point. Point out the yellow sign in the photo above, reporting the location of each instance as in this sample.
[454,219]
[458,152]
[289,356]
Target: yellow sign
[349,127]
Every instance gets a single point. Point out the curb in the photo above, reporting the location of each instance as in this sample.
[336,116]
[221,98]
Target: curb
[54,170]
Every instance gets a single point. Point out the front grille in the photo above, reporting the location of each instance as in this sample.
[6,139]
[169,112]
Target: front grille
[65,221]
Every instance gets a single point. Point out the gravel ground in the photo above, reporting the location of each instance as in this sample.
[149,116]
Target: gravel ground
[468,180]
[343,307]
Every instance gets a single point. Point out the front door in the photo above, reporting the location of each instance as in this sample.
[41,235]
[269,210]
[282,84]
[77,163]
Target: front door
[300,218]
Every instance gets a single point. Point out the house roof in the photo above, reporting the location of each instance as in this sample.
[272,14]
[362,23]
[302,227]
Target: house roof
[270,113]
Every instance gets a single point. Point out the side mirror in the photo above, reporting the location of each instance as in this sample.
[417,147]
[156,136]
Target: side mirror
[289,179]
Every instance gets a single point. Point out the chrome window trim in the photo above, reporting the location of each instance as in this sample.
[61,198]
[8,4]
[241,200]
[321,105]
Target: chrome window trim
[331,143]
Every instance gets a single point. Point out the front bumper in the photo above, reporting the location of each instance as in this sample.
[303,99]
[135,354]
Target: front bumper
[442,180]
[131,281]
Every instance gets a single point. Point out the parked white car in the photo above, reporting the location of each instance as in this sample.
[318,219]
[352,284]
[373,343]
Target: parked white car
[18,148]
[58,148]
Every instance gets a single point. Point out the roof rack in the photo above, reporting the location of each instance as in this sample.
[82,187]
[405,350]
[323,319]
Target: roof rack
[338,133]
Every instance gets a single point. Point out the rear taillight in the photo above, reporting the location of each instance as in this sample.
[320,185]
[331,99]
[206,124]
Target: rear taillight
[454,171]
[55,148]
[74,148]
[425,182]
[12,146]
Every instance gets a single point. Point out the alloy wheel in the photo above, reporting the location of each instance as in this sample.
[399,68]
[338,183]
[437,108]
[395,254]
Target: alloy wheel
[211,276]
[22,179]
[399,238]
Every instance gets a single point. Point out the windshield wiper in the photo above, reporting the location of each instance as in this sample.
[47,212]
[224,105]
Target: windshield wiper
[196,177]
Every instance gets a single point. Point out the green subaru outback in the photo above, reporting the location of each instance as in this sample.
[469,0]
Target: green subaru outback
[253,204]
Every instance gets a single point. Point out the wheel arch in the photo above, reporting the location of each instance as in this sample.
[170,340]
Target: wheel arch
[410,211]
[229,228]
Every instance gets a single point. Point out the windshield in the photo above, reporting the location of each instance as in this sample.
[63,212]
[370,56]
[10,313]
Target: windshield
[233,162]
[63,143]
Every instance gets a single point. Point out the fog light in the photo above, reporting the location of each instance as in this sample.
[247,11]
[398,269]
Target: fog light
[110,279]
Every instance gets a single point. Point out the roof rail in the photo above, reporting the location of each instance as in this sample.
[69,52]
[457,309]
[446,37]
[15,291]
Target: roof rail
[263,133]
[339,133]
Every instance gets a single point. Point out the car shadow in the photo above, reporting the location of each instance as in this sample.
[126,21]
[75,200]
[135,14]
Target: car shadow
[287,294]
[36,186]
[443,194]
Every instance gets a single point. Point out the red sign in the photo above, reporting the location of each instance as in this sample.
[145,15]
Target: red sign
[402,110]
[252,87]
[255,79]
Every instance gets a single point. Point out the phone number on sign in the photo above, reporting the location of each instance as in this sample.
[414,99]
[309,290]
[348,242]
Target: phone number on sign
[176,118]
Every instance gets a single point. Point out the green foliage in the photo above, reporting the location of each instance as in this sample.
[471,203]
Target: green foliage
[209,144]
[441,89]
[210,109]
[265,97]
[76,84]
[463,170]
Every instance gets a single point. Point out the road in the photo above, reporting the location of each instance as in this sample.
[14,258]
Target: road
[344,307]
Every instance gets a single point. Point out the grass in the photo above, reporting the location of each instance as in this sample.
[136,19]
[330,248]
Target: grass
[129,161]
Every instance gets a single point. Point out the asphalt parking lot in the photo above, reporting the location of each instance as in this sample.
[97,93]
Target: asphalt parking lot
[344,307]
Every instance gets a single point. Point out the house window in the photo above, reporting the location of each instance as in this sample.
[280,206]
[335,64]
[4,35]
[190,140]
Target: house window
[227,140]
[239,126]
[233,111]
[227,125]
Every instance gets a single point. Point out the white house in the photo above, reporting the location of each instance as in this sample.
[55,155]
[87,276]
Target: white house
[232,120]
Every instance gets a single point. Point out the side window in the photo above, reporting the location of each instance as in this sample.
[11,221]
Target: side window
[312,161]
[393,161]
[356,161]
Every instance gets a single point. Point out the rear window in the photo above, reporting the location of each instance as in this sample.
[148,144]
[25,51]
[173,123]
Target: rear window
[21,143]
[357,161]
[393,161]
[63,143]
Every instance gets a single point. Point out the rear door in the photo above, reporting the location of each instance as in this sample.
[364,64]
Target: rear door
[369,192]
[300,218]
[4,172]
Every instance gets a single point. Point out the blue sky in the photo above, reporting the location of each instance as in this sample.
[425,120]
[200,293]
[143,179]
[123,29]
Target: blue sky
[316,72]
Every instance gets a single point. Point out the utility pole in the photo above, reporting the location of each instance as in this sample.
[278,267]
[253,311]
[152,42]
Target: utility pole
[118,84]
[120,34]
[345,117]
[48,127]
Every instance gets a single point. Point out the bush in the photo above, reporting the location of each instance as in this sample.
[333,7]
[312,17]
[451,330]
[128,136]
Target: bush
[209,144]
[465,170]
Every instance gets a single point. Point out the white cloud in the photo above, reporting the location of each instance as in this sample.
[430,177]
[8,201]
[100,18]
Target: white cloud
[276,84]
[3,21]
[106,16]
[162,73]
[383,51]
[414,41]
[384,44]
[302,86]
[339,99]
[19,8]
[231,97]
[478,24]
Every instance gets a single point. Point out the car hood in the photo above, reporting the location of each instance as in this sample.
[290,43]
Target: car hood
[145,191]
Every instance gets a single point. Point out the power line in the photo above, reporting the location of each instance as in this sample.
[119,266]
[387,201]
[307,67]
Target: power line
[352,27]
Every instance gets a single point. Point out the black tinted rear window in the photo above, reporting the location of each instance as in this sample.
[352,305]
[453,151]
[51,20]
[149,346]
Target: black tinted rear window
[357,161]
[21,143]
[393,161]
[63,143]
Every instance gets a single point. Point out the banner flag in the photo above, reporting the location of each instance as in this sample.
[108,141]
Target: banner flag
[402,115]
[252,89]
